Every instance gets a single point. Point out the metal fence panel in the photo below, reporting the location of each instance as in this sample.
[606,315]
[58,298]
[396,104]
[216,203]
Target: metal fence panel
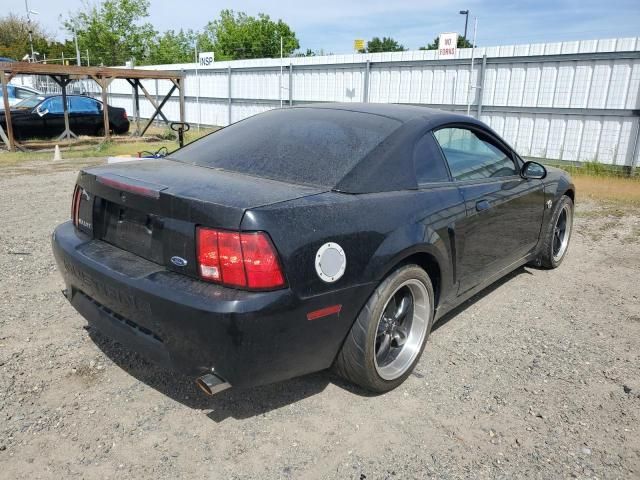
[572,101]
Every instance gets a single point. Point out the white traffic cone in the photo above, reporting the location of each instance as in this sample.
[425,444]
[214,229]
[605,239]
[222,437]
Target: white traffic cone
[56,154]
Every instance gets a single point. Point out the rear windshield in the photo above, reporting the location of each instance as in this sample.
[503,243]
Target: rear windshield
[298,145]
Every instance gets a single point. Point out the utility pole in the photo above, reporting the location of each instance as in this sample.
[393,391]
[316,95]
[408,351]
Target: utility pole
[473,46]
[29,12]
[196,60]
[466,21]
[75,37]
[280,80]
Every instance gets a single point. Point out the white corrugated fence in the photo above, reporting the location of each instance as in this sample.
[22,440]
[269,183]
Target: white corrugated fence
[571,101]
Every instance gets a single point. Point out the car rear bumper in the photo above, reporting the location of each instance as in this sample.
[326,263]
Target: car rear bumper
[248,338]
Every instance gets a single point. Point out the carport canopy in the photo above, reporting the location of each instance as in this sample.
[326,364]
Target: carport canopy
[103,76]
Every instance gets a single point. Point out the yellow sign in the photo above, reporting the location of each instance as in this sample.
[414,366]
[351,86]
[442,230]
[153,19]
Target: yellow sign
[358,45]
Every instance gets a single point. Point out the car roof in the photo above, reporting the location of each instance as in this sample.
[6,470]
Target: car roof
[390,166]
[31,89]
[69,95]
[401,112]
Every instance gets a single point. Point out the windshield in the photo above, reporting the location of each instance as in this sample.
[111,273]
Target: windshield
[29,102]
[315,146]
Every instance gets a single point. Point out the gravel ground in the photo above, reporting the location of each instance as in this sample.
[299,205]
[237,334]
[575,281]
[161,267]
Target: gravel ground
[537,377]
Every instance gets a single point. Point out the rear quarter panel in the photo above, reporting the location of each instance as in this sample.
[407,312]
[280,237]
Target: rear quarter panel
[377,231]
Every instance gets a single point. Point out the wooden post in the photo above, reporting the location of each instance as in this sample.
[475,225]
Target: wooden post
[63,82]
[181,96]
[137,100]
[104,84]
[7,112]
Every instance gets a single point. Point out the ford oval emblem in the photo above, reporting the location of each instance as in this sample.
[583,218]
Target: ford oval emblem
[178,261]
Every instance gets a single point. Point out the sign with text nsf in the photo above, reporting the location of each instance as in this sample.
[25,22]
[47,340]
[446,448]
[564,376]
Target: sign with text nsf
[205,59]
[447,45]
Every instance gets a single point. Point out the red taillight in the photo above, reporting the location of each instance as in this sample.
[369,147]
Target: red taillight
[237,259]
[75,204]
[231,263]
[124,115]
[208,258]
[260,261]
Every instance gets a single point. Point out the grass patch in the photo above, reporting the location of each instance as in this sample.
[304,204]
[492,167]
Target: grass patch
[86,147]
[608,188]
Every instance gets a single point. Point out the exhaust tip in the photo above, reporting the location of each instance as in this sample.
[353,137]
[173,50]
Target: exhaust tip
[211,384]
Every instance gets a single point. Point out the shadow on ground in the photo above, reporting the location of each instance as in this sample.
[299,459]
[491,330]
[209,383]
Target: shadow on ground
[481,294]
[242,403]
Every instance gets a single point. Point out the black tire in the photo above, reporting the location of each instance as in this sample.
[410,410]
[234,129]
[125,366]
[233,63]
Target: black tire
[121,131]
[356,361]
[548,256]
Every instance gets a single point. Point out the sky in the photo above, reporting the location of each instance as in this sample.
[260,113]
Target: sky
[332,25]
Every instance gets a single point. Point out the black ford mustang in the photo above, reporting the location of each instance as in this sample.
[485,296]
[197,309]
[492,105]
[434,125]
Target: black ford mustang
[304,238]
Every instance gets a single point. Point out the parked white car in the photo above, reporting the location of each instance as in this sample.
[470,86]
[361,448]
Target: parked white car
[18,93]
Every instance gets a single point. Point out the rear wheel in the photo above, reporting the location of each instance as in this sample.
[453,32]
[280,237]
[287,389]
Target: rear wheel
[558,234]
[390,333]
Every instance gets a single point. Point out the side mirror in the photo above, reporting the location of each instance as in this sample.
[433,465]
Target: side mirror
[42,113]
[533,171]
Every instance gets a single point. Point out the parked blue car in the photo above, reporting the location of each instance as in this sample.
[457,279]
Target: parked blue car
[18,93]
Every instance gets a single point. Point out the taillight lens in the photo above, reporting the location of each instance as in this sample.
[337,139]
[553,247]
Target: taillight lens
[231,263]
[124,115]
[238,259]
[75,204]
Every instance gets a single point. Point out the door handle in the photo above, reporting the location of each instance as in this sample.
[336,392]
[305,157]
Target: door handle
[482,205]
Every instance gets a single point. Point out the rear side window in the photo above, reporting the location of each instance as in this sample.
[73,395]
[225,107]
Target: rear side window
[22,93]
[83,105]
[428,161]
[314,146]
[473,156]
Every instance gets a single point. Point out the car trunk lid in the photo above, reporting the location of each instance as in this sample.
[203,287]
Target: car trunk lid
[151,207]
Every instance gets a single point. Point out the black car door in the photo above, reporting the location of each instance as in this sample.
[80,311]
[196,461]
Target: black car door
[53,116]
[84,115]
[27,122]
[503,210]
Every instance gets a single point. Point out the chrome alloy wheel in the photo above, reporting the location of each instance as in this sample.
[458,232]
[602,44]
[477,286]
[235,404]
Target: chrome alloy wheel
[401,329]
[561,233]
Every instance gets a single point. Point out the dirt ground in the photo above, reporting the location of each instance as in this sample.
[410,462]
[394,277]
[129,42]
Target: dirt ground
[537,377]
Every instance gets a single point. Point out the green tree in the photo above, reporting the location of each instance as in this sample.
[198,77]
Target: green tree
[14,37]
[113,30]
[172,47]
[238,35]
[312,53]
[386,44]
[462,43]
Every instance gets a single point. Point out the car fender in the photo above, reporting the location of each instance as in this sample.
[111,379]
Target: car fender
[409,240]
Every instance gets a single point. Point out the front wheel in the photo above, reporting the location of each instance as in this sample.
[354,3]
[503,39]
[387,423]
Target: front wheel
[558,234]
[390,333]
